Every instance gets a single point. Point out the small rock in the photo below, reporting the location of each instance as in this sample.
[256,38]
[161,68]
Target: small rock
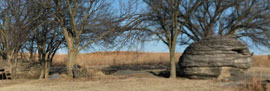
[55,76]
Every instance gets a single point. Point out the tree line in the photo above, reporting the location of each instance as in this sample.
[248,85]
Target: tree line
[41,27]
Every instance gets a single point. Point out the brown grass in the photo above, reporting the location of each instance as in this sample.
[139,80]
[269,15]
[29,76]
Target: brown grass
[261,61]
[258,82]
[132,57]
[128,84]
[254,85]
[118,58]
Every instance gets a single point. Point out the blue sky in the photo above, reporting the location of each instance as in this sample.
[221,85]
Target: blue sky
[161,47]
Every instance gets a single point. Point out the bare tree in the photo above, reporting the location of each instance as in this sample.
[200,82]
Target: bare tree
[48,38]
[15,21]
[242,18]
[161,20]
[85,22]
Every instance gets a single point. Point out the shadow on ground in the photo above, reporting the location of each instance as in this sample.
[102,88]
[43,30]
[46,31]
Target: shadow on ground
[159,70]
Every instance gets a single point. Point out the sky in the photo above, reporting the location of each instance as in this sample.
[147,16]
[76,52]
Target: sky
[161,47]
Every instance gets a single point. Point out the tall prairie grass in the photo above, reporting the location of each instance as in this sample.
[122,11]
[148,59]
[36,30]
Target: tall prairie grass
[133,57]
[261,61]
[117,58]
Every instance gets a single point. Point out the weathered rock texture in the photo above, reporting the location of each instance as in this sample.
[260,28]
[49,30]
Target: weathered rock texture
[215,57]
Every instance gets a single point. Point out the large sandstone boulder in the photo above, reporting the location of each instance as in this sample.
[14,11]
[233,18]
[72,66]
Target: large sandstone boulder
[215,57]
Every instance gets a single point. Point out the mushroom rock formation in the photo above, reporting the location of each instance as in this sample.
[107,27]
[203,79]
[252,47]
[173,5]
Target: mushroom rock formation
[218,57]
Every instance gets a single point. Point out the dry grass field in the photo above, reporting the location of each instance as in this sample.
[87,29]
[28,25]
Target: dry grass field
[261,60]
[133,58]
[128,83]
[117,58]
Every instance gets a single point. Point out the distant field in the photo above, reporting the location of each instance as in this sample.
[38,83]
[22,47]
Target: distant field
[131,57]
[261,60]
[118,58]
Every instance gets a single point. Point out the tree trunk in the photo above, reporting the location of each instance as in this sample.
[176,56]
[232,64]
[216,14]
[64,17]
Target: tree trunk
[10,63]
[172,42]
[42,73]
[14,72]
[45,63]
[47,69]
[72,56]
[172,62]
[42,69]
